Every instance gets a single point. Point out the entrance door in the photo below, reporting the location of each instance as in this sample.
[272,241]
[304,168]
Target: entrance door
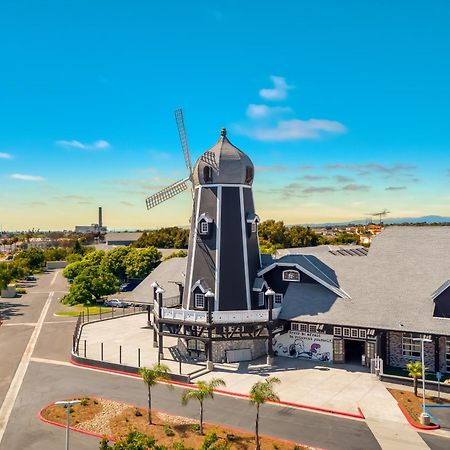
[338,351]
[353,351]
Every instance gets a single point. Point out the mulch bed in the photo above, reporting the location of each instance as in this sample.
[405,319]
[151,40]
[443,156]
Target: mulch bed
[116,420]
[413,404]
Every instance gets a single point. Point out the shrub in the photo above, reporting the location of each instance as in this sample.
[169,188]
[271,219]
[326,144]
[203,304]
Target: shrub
[137,413]
[195,428]
[21,291]
[180,446]
[95,402]
[84,402]
[209,440]
[230,437]
[168,430]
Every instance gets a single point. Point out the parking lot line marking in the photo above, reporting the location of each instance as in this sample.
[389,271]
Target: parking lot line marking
[16,383]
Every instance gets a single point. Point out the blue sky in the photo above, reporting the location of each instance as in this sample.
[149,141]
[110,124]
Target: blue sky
[342,106]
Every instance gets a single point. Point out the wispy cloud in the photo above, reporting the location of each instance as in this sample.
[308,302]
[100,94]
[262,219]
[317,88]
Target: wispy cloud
[370,168]
[24,177]
[264,111]
[318,189]
[343,179]
[312,177]
[5,155]
[355,187]
[395,188]
[294,129]
[279,90]
[125,203]
[97,145]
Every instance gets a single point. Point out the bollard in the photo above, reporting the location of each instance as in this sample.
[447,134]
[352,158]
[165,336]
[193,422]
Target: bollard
[123,311]
[112,312]
[120,354]
[134,308]
[88,313]
[139,357]
[85,348]
[101,350]
[100,312]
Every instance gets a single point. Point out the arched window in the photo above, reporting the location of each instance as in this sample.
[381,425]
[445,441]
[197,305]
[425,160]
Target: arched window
[291,275]
[207,174]
[248,174]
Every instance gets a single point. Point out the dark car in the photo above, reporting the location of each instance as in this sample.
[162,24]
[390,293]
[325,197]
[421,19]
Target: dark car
[30,278]
[126,287]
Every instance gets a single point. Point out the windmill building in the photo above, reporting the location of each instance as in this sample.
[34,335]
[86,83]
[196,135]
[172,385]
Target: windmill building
[326,303]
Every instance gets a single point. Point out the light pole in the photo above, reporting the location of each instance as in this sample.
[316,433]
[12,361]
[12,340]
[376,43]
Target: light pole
[68,404]
[424,417]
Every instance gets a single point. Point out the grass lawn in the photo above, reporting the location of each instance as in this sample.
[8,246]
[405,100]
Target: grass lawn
[77,309]
[113,419]
[404,373]
[413,404]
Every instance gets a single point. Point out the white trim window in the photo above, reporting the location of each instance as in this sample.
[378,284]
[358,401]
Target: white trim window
[304,327]
[278,299]
[199,301]
[447,353]
[313,328]
[337,331]
[261,300]
[291,275]
[410,347]
[295,326]
[254,226]
[204,227]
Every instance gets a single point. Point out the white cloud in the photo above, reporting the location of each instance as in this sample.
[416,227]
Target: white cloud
[264,111]
[294,129]
[23,177]
[279,90]
[5,155]
[97,145]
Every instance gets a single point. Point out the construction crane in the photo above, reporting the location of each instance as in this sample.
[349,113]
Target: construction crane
[380,214]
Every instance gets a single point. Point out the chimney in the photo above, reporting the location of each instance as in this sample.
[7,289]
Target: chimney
[100,217]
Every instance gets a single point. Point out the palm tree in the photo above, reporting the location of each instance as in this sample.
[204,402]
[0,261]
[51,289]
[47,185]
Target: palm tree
[260,393]
[203,391]
[415,372]
[151,377]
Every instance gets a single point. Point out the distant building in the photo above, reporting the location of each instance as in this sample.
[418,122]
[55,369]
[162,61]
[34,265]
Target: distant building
[124,238]
[93,228]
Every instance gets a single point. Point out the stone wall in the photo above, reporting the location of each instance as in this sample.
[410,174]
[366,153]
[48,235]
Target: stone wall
[442,355]
[257,346]
[397,359]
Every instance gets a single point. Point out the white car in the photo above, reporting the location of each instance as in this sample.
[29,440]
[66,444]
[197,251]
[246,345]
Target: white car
[116,303]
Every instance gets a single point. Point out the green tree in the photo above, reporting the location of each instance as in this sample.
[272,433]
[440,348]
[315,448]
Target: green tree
[415,372]
[33,258]
[136,440]
[140,262]
[150,378]
[204,390]
[260,393]
[74,269]
[115,261]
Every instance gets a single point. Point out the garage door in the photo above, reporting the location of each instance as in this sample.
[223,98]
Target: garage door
[244,354]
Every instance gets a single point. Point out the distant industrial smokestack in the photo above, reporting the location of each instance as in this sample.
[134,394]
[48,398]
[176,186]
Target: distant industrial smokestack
[100,217]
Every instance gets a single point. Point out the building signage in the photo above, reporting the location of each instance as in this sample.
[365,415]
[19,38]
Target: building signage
[299,344]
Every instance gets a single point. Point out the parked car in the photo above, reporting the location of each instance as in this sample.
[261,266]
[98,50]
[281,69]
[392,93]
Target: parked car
[70,280]
[30,278]
[116,303]
[126,287]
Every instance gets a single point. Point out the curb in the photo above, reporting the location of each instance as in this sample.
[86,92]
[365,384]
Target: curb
[111,439]
[416,425]
[359,416]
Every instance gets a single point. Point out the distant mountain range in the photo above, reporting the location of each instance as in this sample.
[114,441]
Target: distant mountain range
[386,220]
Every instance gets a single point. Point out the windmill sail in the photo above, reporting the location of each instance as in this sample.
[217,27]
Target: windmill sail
[166,193]
[183,139]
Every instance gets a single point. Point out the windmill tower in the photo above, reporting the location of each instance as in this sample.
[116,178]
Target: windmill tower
[225,307]
[223,255]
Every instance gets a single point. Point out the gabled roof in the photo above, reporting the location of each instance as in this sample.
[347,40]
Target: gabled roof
[201,284]
[440,290]
[252,217]
[306,264]
[259,284]
[204,216]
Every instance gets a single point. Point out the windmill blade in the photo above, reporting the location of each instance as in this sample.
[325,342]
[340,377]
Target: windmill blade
[183,139]
[210,159]
[166,193]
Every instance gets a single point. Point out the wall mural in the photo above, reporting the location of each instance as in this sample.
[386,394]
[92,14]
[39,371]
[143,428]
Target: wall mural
[298,344]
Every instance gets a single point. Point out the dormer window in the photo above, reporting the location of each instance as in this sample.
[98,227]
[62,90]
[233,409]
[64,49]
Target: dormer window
[203,224]
[207,174]
[248,174]
[199,301]
[253,220]
[204,227]
[291,275]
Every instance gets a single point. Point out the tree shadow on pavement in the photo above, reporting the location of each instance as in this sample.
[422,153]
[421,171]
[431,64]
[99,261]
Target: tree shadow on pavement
[8,310]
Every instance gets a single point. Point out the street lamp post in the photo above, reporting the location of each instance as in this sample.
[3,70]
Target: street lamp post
[424,417]
[68,404]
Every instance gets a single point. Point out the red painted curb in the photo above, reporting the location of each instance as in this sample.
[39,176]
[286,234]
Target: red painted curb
[111,439]
[416,425]
[360,414]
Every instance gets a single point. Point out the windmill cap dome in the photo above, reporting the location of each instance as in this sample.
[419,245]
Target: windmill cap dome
[223,163]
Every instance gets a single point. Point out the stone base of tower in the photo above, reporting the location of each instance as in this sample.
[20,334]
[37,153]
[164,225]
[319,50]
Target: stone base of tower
[258,348]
